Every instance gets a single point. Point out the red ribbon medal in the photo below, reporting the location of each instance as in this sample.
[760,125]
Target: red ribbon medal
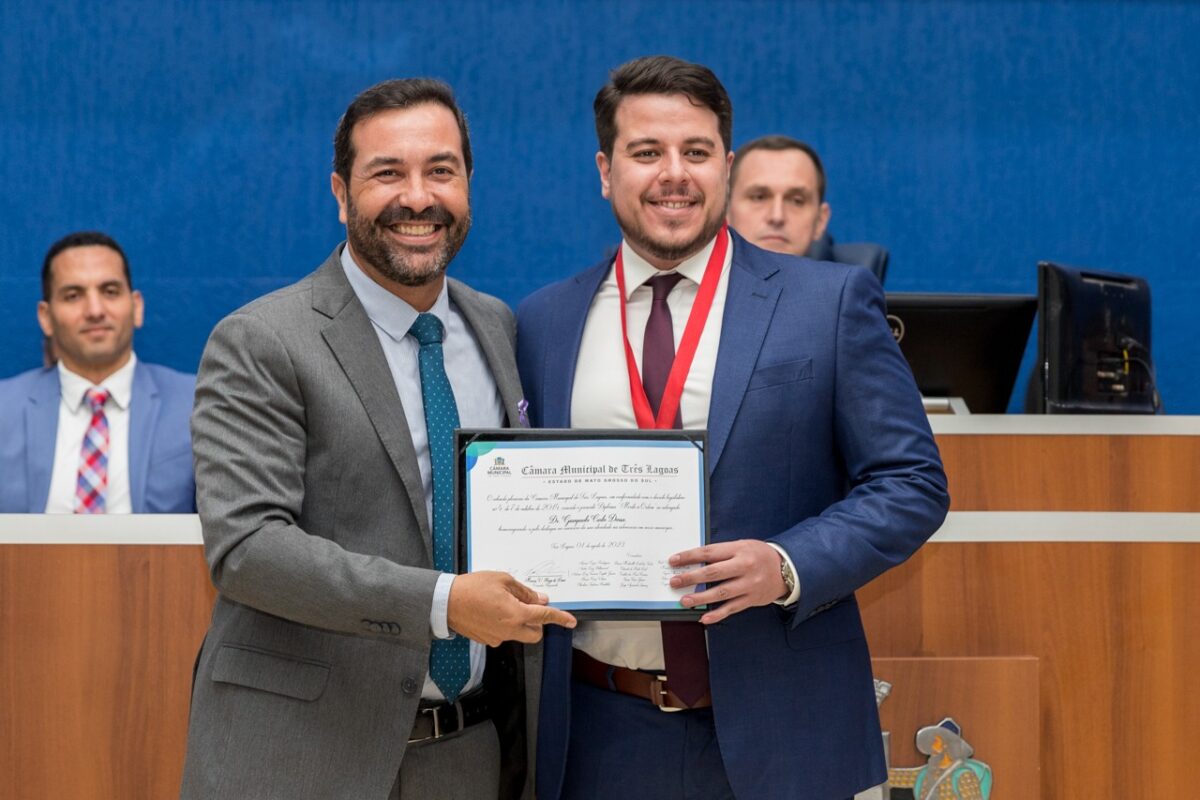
[687,346]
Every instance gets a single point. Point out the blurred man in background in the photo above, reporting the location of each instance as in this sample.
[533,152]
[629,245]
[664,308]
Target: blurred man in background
[99,431]
[777,194]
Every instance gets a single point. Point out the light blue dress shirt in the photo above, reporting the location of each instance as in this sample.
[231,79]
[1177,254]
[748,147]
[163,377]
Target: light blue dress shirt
[475,394]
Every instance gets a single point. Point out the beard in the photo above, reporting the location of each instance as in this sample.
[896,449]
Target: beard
[403,264]
[666,250]
[76,351]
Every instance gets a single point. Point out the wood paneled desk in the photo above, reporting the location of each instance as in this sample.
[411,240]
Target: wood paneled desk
[1074,541]
[100,621]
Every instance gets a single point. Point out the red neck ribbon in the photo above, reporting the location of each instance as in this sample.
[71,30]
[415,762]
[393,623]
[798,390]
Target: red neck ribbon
[687,346]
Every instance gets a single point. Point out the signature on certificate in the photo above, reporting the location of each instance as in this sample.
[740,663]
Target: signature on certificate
[546,574]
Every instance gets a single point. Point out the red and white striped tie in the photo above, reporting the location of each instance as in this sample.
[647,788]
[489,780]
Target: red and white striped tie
[92,484]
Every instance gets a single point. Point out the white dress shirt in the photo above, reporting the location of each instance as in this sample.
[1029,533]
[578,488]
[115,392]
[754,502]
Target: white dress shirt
[475,394]
[599,400]
[74,417]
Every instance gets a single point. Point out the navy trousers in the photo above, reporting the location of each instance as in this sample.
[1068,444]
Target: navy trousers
[623,747]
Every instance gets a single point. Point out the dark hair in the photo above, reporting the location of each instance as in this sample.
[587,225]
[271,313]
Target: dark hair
[661,75]
[393,94]
[79,239]
[778,142]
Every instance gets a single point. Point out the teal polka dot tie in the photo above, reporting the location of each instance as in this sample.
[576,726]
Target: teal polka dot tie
[449,659]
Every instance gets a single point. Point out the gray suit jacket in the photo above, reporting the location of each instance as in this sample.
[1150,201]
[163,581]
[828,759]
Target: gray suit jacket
[318,541]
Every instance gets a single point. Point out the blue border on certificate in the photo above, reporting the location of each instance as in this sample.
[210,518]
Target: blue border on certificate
[471,444]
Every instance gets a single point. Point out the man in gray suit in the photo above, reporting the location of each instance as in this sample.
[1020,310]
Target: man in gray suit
[345,659]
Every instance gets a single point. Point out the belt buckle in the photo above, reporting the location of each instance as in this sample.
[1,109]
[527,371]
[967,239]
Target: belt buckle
[658,694]
[432,711]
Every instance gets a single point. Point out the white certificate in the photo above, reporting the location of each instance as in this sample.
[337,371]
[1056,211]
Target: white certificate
[589,521]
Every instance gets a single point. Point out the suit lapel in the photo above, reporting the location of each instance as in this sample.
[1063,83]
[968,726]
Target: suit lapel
[354,344]
[749,305]
[496,343]
[41,433]
[562,351]
[143,419]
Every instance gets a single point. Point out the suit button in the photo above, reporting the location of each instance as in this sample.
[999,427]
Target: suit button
[376,627]
[409,686]
[393,628]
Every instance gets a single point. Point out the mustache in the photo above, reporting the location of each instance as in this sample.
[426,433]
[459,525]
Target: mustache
[396,213]
[677,195]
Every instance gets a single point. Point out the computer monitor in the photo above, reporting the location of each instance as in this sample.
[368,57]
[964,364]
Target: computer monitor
[963,345]
[1094,343]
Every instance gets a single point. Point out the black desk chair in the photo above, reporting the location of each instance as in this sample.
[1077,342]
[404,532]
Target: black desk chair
[866,254]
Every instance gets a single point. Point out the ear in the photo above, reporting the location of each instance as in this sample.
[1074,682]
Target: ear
[139,308]
[728,183]
[605,168]
[45,321]
[338,186]
[823,220]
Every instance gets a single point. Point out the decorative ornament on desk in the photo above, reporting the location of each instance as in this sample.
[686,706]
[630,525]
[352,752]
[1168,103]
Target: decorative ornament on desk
[950,773]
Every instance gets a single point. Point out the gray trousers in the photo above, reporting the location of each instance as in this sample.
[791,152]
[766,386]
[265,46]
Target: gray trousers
[461,766]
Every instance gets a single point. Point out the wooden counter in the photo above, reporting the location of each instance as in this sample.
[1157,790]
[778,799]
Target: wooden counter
[1075,541]
[1107,600]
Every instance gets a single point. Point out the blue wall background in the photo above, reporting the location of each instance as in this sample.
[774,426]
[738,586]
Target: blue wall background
[972,138]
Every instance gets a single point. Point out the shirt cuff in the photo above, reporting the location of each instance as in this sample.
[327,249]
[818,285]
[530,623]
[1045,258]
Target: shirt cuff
[794,597]
[439,612]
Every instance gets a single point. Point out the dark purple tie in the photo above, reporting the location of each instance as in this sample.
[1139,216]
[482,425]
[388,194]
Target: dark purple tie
[683,642]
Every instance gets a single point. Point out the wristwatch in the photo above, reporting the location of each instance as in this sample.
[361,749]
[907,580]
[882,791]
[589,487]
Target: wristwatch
[789,577]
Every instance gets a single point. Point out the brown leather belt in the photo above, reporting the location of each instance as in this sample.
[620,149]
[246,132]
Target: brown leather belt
[645,685]
[435,720]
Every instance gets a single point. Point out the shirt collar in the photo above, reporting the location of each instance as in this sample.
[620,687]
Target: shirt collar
[119,385]
[388,312]
[638,270]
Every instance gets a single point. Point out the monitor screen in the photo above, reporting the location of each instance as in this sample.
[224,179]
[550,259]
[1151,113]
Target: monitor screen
[1094,343]
[963,345]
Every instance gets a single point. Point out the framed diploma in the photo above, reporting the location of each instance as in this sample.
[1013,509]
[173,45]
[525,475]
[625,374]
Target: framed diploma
[589,517]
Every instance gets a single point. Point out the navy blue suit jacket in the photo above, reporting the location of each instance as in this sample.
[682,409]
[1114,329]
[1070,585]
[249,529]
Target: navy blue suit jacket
[160,447]
[817,442]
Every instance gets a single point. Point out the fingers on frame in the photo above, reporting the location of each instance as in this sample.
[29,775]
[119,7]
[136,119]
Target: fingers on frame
[725,611]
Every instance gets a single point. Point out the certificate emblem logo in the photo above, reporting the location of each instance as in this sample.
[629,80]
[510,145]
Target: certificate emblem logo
[498,467]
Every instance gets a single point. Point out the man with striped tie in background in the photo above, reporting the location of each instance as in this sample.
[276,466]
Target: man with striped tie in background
[100,431]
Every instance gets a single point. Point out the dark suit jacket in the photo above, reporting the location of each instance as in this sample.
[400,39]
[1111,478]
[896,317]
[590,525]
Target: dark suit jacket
[319,543]
[160,449]
[817,442]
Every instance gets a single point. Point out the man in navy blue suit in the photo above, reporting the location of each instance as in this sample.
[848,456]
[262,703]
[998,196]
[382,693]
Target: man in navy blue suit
[99,431]
[823,471]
